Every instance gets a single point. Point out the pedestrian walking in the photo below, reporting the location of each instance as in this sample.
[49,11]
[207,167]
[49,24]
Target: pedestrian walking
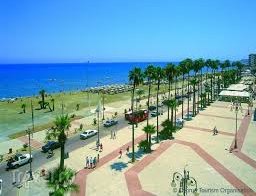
[101,147]
[127,149]
[94,162]
[120,153]
[87,162]
[98,160]
[114,136]
[91,162]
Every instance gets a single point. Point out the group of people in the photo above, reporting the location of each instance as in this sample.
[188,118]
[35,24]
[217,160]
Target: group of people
[113,134]
[91,163]
[99,146]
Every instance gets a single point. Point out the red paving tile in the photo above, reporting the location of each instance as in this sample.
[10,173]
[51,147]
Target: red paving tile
[209,130]
[217,116]
[134,185]
[81,176]
[131,175]
[34,143]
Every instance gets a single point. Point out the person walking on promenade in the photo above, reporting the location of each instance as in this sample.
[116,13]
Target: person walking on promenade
[94,162]
[91,162]
[215,131]
[87,162]
[120,153]
[101,147]
[98,160]
[127,149]
[114,135]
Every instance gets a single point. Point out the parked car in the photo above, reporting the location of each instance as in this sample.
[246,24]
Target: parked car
[18,160]
[152,107]
[189,115]
[154,113]
[109,123]
[50,145]
[88,133]
[180,122]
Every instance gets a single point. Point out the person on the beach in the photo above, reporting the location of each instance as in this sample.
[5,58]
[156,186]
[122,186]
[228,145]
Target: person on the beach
[127,149]
[120,153]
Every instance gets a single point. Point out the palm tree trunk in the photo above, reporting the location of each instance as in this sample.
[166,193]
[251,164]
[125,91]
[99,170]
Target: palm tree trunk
[157,99]
[149,92]
[62,150]
[182,96]
[194,99]
[175,93]
[172,116]
[211,86]
[132,106]
[188,96]
[169,94]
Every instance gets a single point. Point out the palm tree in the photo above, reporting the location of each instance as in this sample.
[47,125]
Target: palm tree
[183,71]
[139,93]
[53,107]
[172,103]
[189,64]
[176,74]
[149,73]
[159,73]
[197,66]
[225,66]
[61,181]
[62,123]
[136,78]
[214,67]
[194,82]
[169,72]
[168,129]
[149,130]
[23,107]
[42,94]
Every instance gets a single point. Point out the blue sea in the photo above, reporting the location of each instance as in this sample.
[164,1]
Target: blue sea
[19,80]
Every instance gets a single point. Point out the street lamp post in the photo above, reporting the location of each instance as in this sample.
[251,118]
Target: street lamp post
[98,119]
[30,158]
[236,106]
[185,181]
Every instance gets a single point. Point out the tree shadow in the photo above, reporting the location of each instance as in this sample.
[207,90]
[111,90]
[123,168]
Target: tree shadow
[138,154]
[118,166]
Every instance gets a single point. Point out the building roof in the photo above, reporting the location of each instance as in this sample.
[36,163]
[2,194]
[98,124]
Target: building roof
[237,87]
[235,93]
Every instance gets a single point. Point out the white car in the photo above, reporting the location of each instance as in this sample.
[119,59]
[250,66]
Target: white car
[88,133]
[18,160]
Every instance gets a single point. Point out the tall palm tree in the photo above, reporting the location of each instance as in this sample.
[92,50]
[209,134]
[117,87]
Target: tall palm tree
[171,103]
[201,63]
[53,105]
[197,66]
[149,130]
[159,74]
[61,181]
[194,82]
[225,66]
[42,94]
[209,63]
[62,123]
[176,74]
[183,71]
[23,107]
[136,78]
[189,64]
[139,93]
[169,72]
[214,67]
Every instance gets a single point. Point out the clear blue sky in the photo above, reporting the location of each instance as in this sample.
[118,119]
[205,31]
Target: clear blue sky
[125,30]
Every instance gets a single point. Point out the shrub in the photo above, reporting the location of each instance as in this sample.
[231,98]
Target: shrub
[144,145]
[25,145]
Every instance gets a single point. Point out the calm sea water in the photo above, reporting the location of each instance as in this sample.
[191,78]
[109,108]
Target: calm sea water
[18,80]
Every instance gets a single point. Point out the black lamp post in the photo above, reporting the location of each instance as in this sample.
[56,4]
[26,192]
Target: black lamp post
[185,181]
[30,157]
[236,106]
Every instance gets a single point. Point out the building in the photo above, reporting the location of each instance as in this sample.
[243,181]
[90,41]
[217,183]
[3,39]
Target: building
[252,60]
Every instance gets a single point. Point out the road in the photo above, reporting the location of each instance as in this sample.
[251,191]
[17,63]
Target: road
[40,158]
